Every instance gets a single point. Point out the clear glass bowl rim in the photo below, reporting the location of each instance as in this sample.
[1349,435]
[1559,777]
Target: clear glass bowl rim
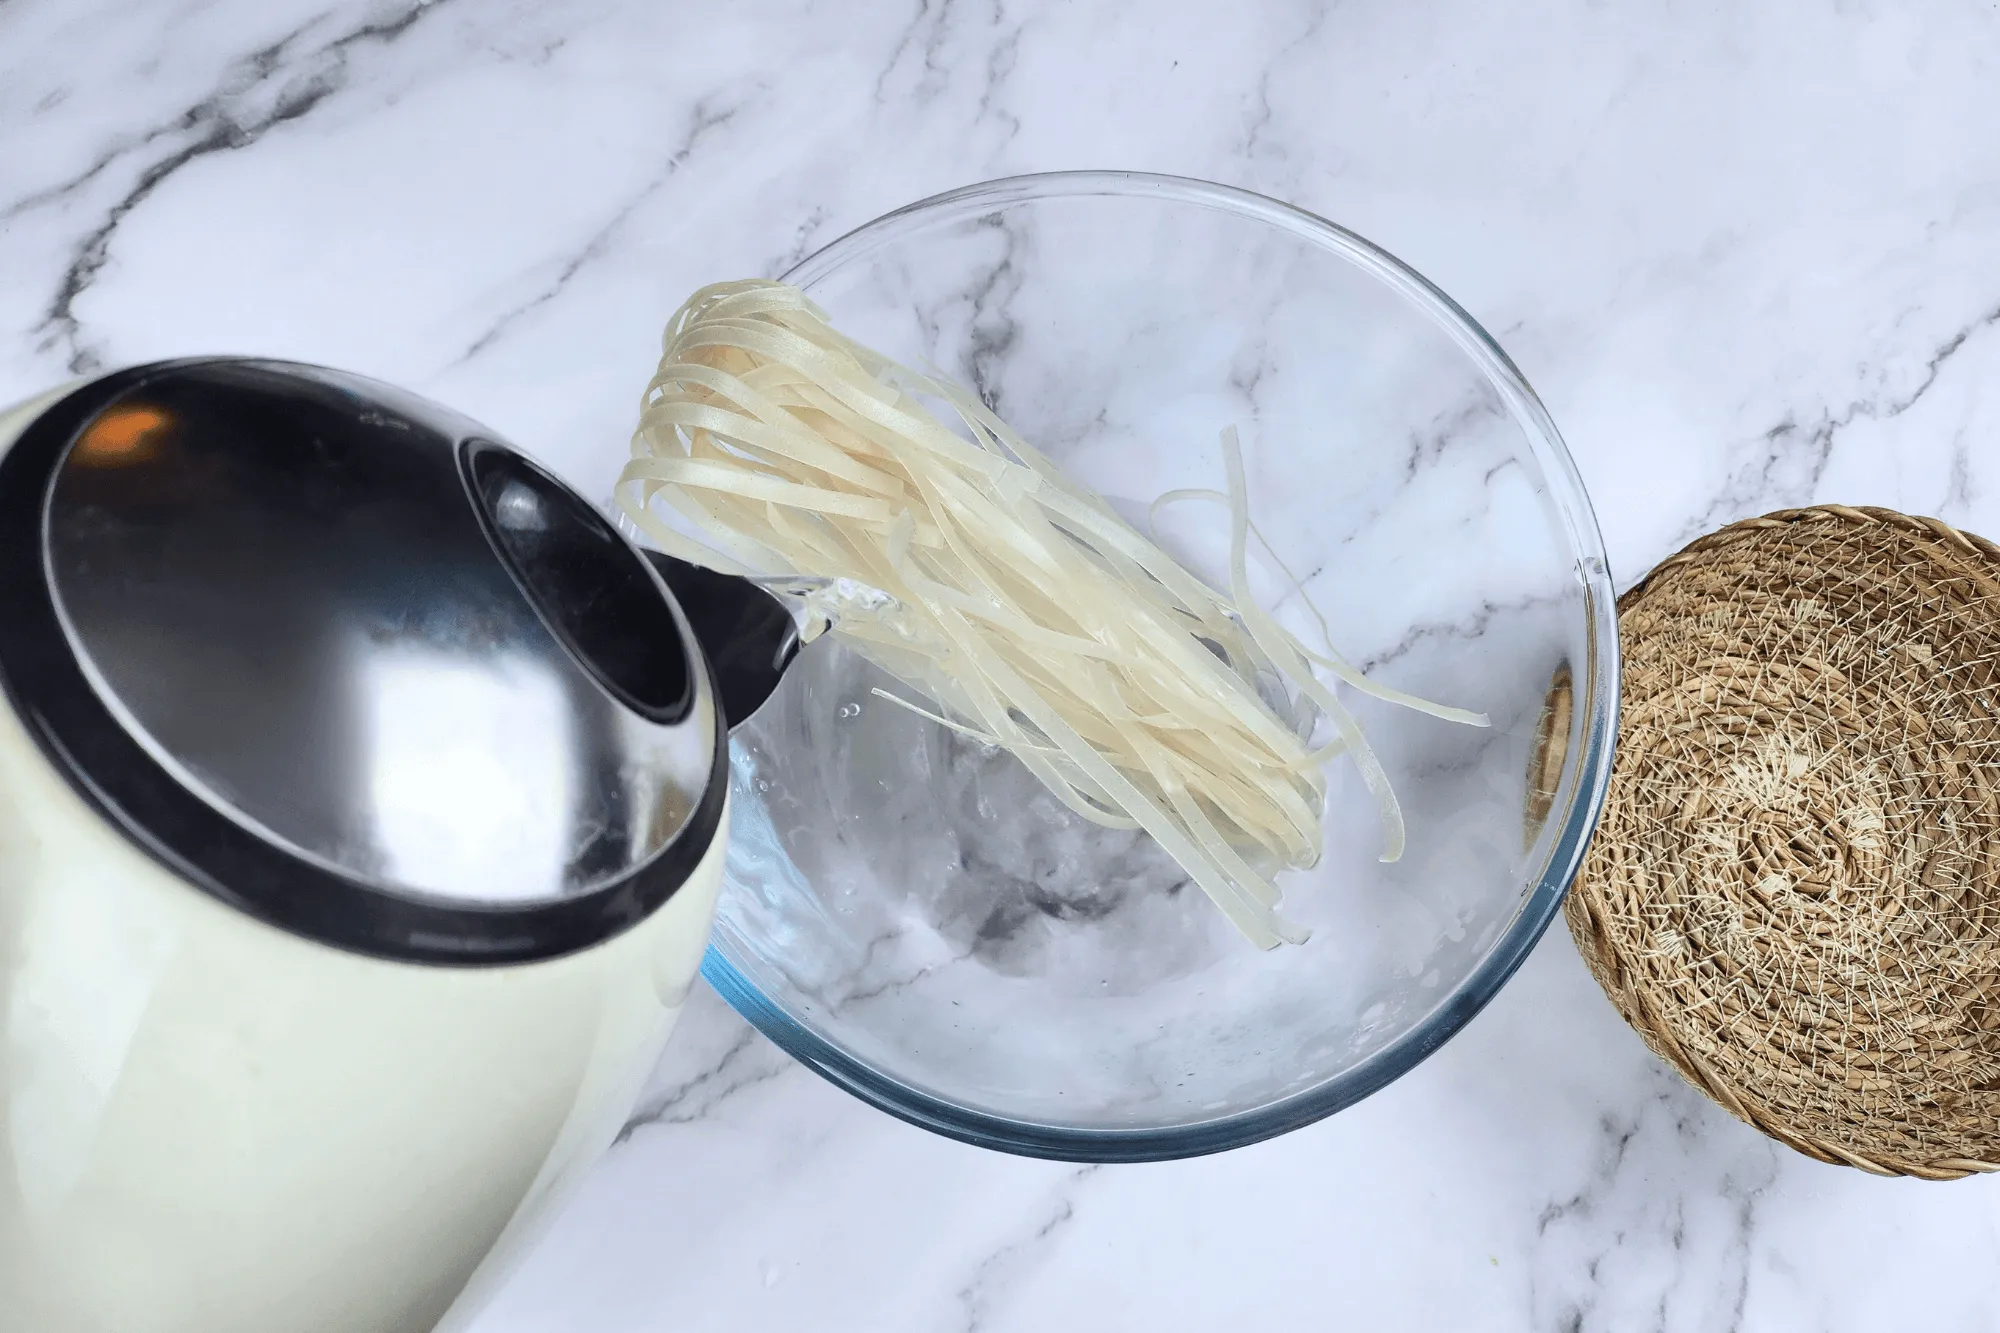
[1596,699]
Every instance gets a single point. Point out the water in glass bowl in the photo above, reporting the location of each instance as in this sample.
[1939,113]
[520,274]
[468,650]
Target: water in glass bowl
[910,911]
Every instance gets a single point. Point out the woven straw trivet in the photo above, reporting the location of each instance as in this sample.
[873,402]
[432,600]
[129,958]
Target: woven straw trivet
[1794,894]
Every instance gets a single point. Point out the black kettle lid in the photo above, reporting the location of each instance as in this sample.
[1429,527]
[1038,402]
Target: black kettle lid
[348,661]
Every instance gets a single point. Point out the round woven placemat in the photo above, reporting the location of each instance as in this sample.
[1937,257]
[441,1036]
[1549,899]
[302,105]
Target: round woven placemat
[1794,893]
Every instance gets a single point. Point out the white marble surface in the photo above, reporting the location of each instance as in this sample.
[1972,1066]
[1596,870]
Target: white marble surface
[1750,255]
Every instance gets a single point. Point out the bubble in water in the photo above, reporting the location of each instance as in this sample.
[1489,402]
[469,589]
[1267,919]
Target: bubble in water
[850,710]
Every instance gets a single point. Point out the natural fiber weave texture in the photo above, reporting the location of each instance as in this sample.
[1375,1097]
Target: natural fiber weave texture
[1794,893]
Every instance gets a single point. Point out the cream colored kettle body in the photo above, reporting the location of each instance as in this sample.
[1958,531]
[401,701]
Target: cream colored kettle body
[218,1114]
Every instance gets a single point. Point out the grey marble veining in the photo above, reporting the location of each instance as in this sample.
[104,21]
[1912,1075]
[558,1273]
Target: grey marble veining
[1749,256]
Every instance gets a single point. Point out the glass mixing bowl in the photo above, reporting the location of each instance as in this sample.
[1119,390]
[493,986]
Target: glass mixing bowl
[912,915]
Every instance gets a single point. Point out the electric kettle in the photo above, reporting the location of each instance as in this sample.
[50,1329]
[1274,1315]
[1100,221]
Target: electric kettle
[362,801]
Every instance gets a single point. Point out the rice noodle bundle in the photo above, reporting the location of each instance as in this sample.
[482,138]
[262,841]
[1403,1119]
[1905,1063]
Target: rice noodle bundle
[1029,614]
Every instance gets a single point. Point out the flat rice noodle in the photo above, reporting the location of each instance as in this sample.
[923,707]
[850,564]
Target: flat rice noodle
[1026,610]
